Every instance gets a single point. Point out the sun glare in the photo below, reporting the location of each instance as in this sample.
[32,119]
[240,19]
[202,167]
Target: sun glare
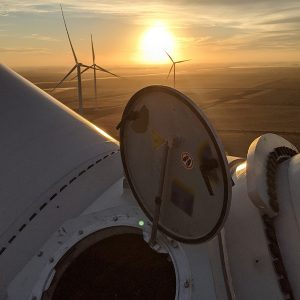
[155,42]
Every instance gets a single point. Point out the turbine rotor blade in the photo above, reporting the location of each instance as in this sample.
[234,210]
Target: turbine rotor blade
[170,57]
[170,71]
[69,73]
[181,61]
[106,71]
[91,66]
[84,70]
[62,13]
[93,52]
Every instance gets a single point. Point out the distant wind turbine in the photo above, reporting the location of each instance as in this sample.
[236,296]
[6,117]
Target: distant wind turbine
[174,65]
[77,67]
[95,67]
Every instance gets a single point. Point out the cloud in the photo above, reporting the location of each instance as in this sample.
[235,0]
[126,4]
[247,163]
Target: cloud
[39,37]
[25,50]
[16,6]
[3,10]
[282,21]
[226,2]
[255,41]
[183,11]
[216,24]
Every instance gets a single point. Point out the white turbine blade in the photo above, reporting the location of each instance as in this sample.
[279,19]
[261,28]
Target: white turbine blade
[84,70]
[93,52]
[181,61]
[91,66]
[170,71]
[62,12]
[69,73]
[170,57]
[83,65]
[106,71]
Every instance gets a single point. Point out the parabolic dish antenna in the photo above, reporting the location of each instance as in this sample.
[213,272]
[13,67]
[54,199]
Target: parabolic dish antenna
[175,164]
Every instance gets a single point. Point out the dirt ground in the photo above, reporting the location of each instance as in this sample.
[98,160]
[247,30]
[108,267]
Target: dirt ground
[241,102]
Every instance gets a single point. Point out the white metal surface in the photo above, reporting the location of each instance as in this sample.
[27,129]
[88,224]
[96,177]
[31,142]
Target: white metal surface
[53,164]
[287,223]
[256,169]
[294,175]
[250,262]
[198,267]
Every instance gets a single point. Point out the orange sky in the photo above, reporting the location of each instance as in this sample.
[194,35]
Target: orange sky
[231,31]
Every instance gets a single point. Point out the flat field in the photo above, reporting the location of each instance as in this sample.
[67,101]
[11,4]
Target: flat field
[242,102]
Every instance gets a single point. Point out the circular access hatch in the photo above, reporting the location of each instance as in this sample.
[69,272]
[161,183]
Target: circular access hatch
[172,156]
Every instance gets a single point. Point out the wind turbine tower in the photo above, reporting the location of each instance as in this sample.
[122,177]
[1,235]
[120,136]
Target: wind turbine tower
[174,66]
[76,67]
[95,67]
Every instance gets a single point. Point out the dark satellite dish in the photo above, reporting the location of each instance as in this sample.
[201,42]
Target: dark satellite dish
[175,164]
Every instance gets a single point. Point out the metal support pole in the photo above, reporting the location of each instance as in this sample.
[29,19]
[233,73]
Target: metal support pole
[159,198]
[174,75]
[95,84]
[79,90]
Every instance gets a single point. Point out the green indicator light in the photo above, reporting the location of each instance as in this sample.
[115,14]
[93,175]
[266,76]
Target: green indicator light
[141,223]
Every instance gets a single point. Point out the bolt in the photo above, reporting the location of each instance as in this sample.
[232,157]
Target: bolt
[80,232]
[115,218]
[186,284]
[51,259]
[40,254]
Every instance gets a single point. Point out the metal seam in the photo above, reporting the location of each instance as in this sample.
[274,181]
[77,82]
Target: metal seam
[43,205]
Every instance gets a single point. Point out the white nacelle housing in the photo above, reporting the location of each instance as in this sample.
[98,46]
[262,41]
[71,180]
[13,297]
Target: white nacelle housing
[53,165]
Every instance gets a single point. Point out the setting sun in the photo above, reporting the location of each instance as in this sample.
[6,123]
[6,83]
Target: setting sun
[155,41]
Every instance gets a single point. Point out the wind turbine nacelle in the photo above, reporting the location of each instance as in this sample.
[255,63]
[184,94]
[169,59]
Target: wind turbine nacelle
[72,229]
[54,165]
[69,223]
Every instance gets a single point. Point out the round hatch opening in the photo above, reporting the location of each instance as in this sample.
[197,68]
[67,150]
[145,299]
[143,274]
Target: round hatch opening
[119,266]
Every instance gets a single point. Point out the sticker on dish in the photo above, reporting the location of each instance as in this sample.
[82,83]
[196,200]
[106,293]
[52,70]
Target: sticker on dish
[187,160]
